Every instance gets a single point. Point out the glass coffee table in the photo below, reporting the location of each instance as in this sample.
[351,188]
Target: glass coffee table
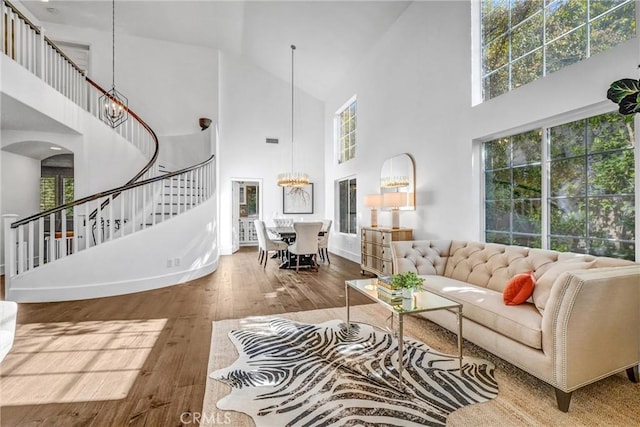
[421,302]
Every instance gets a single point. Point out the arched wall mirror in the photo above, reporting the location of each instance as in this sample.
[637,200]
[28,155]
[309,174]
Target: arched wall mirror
[398,176]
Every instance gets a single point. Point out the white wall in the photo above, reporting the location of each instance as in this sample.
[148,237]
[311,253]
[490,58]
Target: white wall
[20,180]
[169,85]
[181,151]
[414,96]
[255,105]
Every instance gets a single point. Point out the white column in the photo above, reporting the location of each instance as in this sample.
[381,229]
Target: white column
[9,249]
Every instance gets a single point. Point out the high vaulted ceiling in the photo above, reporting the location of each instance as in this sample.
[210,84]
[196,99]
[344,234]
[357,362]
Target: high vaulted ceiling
[331,36]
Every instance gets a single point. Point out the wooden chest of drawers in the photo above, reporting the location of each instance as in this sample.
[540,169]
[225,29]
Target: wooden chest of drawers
[376,248]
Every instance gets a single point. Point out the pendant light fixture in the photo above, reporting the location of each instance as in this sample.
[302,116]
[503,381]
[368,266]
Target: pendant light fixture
[114,110]
[292,179]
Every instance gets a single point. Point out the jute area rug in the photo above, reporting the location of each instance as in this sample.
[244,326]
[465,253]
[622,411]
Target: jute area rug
[522,401]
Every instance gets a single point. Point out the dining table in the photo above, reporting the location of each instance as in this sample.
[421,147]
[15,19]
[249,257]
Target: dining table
[288,235]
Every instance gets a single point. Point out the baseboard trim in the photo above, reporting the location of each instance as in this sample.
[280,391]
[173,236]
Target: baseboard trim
[108,289]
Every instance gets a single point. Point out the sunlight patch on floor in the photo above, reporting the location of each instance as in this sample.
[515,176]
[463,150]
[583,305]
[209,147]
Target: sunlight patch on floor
[76,362]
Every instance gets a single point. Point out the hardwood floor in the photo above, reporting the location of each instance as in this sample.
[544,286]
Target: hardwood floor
[141,359]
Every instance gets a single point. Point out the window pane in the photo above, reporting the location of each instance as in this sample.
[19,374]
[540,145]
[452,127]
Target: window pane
[613,28]
[568,177]
[496,154]
[568,217]
[47,193]
[567,244]
[567,50]
[529,241]
[68,196]
[495,19]
[523,9]
[344,205]
[598,7]
[352,206]
[526,148]
[497,83]
[623,250]
[498,185]
[612,217]
[609,132]
[563,16]
[496,54]
[498,215]
[527,36]
[567,140]
[611,173]
[527,182]
[503,238]
[527,216]
[527,69]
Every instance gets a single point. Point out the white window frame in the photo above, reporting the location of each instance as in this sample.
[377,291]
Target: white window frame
[544,124]
[340,151]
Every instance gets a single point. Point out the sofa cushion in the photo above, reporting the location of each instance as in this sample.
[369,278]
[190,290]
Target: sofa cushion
[522,323]
[421,256]
[492,265]
[519,288]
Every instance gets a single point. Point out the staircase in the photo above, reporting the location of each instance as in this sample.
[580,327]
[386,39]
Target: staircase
[126,239]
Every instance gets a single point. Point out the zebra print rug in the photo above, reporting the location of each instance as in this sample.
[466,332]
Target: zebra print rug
[291,373]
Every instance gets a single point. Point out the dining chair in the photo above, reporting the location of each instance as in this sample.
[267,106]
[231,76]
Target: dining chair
[306,241]
[266,244]
[323,240]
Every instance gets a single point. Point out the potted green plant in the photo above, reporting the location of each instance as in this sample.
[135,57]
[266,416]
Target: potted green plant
[625,93]
[408,282]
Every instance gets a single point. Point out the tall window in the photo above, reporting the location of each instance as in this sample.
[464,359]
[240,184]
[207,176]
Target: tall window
[347,205]
[523,40]
[346,121]
[588,177]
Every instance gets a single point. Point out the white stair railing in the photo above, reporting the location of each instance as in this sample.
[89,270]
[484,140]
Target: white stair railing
[26,44]
[33,242]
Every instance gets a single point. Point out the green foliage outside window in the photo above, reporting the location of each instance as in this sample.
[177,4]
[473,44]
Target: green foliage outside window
[347,205]
[523,40]
[347,123]
[591,188]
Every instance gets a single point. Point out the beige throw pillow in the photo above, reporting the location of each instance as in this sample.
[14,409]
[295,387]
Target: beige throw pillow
[545,282]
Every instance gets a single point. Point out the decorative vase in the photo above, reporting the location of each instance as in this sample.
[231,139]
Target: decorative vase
[407,292]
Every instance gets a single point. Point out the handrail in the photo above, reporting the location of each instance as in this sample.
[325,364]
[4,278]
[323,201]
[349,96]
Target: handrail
[145,125]
[116,190]
[61,53]
[15,10]
[142,171]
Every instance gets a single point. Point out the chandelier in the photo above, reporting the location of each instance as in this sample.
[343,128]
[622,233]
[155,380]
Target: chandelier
[396,181]
[114,110]
[292,179]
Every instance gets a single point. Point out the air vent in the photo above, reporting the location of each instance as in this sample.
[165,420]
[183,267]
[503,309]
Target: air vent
[272,140]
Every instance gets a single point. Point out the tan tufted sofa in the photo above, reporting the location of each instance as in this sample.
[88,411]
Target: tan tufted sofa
[582,323]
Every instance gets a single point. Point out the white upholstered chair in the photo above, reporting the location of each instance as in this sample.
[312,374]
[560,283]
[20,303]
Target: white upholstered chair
[323,241]
[266,244]
[8,317]
[306,241]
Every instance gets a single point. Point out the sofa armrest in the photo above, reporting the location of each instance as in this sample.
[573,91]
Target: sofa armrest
[591,325]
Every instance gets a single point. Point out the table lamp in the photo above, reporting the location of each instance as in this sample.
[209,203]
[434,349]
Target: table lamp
[373,201]
[394,201]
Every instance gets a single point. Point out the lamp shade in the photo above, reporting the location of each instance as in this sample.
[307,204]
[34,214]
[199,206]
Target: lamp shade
[394,200]
[373,201]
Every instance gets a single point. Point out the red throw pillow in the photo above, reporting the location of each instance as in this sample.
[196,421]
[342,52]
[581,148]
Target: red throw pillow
[519,288]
